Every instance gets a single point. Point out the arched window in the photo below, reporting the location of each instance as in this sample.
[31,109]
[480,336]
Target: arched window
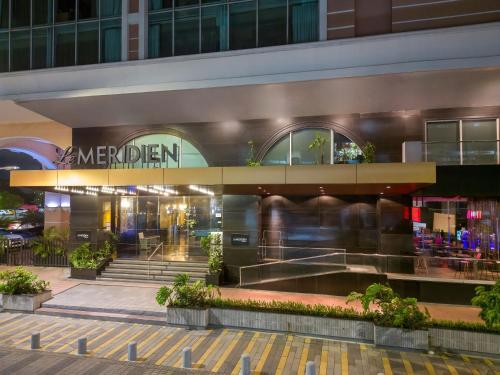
[312,146]
[182,153]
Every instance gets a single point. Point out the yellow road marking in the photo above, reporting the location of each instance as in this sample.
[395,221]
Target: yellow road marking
[284,356]
[141,345]
[429,367]
[465,358]
[172,349]
[265,354]
[121,346]
[211,348]
[323,365]
[158,346]
[362,346]
[195,345]
[344,361]
[303,356]
[14,322]
[58,350]
[18,327]
[387,366]
[407,364]
[25,338]
[123,333]
[451,369]
[52,343]
[247,350]
[475,372]
[226,353]
[488,362]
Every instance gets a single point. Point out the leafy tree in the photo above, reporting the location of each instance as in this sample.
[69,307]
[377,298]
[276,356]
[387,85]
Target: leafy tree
[34,218]
[10,200]
[489,302]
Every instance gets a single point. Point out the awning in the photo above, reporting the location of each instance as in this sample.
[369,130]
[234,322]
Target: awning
[341,179]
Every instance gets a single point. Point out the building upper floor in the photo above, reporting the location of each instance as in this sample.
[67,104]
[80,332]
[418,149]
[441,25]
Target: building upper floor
[39,34]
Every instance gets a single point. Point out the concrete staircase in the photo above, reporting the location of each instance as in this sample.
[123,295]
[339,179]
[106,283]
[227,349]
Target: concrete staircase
[160,272]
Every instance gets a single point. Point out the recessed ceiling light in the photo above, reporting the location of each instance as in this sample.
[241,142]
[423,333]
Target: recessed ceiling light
[259,187]
[388,187]
[381,193]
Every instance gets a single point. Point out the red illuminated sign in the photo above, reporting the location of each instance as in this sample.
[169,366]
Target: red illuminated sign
[474,215]
[415,214]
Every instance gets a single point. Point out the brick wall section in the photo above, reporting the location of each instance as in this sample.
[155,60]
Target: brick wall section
[344,18]
[133,42]
[410,15]
[340,19]
[133,6]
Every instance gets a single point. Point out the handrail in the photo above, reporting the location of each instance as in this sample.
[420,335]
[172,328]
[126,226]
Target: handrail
[151,256]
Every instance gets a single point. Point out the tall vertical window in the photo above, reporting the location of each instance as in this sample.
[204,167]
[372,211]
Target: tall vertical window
[186,31]
[19,50]
[443,141]
[200,26]
[479,144]
[46,33]
[272,22]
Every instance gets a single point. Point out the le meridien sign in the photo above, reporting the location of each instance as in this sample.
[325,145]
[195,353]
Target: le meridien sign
[107,155]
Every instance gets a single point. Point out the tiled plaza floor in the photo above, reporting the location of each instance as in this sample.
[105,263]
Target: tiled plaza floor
[217,350]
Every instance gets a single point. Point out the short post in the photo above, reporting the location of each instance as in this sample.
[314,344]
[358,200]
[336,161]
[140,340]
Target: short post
[82,346]
[186,358]
[35,340]
[132,351]
[245,364]
[310,369]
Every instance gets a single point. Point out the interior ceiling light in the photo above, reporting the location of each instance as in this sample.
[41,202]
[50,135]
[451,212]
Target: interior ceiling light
[200,189]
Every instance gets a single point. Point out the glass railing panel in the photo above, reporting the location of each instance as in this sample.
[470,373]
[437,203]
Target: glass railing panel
[442,153]
[480,152]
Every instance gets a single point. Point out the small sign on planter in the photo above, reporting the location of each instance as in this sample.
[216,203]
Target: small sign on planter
[83,235]
[240,239]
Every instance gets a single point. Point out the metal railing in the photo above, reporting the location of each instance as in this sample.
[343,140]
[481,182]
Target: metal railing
[462,152]
[312,264]
[20,253]
[160,245]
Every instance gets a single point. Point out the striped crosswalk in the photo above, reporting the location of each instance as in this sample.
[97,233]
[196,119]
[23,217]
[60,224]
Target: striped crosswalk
[219,350]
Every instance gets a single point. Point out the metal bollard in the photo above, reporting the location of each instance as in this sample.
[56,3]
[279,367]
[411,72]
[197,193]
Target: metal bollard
[132,351]
[245,364]
[82,346]
[310,369]
[35,340]
[186,358]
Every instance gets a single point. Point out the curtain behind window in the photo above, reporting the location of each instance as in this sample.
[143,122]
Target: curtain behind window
[304,18]
[154,41]
[111,8]
[111,44]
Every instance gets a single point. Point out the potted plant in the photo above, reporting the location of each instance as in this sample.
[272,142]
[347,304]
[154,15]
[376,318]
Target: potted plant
[318,147]
[22,290]
[368,153]
[397,321]
[87,264]
[212,246]
[252,160]
[187,303]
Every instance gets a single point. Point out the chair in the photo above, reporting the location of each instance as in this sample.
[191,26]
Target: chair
[464,269]
[143,244]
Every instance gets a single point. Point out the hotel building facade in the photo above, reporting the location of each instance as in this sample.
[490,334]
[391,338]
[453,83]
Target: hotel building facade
[370,126]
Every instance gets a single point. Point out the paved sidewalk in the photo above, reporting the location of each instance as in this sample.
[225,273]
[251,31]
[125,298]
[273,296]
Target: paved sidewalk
[22,362]
[215,350]
[141,296]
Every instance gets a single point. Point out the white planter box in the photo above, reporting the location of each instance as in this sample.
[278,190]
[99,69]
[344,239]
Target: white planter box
[451,339]
[329,327]
[402,338]
[25,302]
[191,318]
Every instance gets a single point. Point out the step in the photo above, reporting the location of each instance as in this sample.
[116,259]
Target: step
[142,281]
[102,315]
[156,267]
[123,275]
[164,272]
[161,263]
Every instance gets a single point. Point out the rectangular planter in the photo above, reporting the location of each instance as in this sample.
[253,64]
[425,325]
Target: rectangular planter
[87,273]
[25,302]
[213,279]
[455,340]
[328,327]
[190,318]
[401,338]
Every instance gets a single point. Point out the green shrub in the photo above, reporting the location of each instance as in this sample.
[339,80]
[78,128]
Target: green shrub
[464,326]
[83,257]
[392,310]
[52,240]
[488,299]
[290,307]
[21,281]
[183,293]
[212,246]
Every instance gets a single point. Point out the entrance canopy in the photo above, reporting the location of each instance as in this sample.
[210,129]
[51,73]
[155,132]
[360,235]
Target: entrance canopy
[340,179]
